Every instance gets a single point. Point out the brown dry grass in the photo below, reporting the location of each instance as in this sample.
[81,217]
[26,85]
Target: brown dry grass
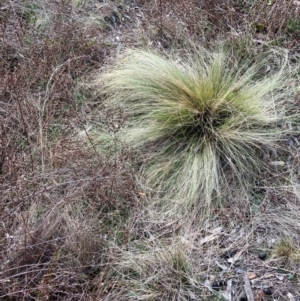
[75,222]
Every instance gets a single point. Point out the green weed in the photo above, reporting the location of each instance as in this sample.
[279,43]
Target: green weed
[294,27]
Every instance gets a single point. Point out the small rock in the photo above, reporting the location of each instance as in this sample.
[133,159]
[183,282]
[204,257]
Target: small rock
[215,286]
[280,277]
[267,291]
[243,298]
[262,255]
[222,283]
[218,284]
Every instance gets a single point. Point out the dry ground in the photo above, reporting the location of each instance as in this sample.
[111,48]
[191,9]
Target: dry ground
[76,222]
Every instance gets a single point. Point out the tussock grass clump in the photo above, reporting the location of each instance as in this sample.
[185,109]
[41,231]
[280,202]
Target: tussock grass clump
[287,250]
[198,122]
[158,273]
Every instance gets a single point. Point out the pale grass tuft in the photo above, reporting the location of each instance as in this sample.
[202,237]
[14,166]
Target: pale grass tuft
[157,271]
[288,251]
[198,123]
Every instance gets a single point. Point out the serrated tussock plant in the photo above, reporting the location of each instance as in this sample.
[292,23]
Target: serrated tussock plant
[198,123]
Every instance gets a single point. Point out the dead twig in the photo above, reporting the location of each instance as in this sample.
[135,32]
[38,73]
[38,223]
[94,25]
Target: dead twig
[248,289]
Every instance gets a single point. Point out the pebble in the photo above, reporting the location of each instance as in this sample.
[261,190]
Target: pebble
[215,286]
[267,291]
[218,284]
[262,255]
[222,283]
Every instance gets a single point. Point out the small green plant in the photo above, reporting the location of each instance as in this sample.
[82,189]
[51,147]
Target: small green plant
[198,123]
[294,27]
[291,277]
[32,14]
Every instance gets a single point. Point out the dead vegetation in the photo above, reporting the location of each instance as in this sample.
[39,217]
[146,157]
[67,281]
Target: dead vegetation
[76,221]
